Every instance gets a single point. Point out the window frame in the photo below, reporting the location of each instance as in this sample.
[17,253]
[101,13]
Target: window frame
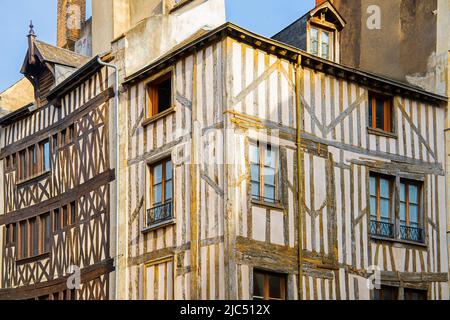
[378,177]
[331,45]
[266,287]
[152,97]
[262,148]
[150,193]
[388,112]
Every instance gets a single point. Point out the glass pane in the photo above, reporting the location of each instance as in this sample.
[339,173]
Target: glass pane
[325,45]
[275,287]
[413,194]
[402,192]
[157,174]
[269,161]
[157,194]
[373,186]
[46,156]
[258,284]
[254,154]
[384,188]
[168,190]
[413,214]
[269,176]
[254,168]
[380,113]
[269,193]
[314,34]
[255,189]
[402,213]
[169,170]
[384,210]
[373,206]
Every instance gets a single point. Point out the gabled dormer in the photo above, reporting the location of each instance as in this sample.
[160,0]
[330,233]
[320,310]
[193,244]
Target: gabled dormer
[45,66]
[317,32]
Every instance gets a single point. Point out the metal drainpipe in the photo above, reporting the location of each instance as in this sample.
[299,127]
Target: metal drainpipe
[299,176]
[116,103]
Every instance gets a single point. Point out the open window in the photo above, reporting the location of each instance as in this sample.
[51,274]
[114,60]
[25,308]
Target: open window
[159,95]
[380,112]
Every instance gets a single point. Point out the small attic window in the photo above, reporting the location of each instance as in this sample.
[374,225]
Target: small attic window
[159,95]
[321,43]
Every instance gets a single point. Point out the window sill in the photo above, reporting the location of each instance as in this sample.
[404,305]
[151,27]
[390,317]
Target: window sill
[381,133]
[159,225]
[33,178]
[276,205]
[157,117]
[41,256]
[395,240]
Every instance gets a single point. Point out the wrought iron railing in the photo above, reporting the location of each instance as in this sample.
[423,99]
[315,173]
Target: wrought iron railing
[382,229]
[159,214]
[411,234]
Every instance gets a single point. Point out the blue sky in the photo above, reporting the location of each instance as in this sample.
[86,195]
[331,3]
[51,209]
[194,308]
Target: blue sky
[265,17]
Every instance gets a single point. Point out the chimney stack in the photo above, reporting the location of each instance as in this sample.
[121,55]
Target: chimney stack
[319,2]
[71,16]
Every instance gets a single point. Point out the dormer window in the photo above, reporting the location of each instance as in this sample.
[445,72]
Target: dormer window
[321,43]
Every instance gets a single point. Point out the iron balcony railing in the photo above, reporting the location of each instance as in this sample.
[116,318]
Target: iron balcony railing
[160,213]
[411,234]
[382,229]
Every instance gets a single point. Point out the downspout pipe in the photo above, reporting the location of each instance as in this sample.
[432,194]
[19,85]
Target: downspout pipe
[116,105]
[298,81]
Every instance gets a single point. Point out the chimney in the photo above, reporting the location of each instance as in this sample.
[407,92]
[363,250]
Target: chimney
[71,16]
[319,2]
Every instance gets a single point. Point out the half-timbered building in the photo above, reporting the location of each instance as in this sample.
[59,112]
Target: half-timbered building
[258,171]
[55,181]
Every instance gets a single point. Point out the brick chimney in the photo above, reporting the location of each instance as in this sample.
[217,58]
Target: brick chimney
[71,16]
[319,2]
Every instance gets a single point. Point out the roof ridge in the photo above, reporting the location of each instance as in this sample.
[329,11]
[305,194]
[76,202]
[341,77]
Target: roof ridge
[62,49]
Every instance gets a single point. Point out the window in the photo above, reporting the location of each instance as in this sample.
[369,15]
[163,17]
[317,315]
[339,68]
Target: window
[56,220]
[46,232]
[65,217]
[161,189]
[380,113]
[321,43]
[34,160]
[314,41]
[45,155]
[23,165]
[269,286]
[63,137]
[34,237]
[263,172]
[325,45]
[10,234]
[73,212]
[412,294]
[159,95]
[410,217]
[386,293]
[23,239]
[381,206]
